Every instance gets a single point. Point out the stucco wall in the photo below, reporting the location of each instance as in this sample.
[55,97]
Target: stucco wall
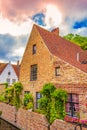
[4,75]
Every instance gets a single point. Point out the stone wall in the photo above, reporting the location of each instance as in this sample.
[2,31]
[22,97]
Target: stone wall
[24,119]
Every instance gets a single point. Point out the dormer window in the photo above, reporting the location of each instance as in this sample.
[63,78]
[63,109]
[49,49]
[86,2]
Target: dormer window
[9,73]
[34,49]
[57,71]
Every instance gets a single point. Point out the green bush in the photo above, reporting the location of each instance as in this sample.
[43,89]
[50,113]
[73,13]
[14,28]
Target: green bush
[28,101]
[52,103]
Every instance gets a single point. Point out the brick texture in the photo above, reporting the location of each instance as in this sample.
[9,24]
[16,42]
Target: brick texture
[27,120]
[71,78]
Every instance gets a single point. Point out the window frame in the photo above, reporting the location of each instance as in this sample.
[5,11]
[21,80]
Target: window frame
[13,80]
[26,92]
[72,105]
[9,73]
[37,98]
[34,49]
[33,72]
[8,81]
[57,71]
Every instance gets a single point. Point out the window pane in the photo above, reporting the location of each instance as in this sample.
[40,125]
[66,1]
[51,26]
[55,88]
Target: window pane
[75,98]
[9,73]
[34,49]
[72,105]
[26,92]
[33,72]
[38,96]
[8,81]
[57,71]
[13,80]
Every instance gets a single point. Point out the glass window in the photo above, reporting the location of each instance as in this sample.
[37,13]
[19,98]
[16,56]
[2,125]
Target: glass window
[38,96]
[8,80]
[26,92]
[57,71]
[72,105]
[9,73]
[13,80]
[34,49]
[33,75]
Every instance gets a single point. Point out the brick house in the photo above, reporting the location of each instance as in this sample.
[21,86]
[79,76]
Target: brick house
[50,58]
[9,73]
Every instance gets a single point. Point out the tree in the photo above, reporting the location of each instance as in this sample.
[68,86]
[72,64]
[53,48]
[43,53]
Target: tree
[52,103]
[77,39]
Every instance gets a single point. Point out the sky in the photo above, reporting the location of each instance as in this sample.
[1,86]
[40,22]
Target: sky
[18,16]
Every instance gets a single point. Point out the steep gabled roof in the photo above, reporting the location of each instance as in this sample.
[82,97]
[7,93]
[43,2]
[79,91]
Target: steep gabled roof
[2,67]
[62,48]
[15,67]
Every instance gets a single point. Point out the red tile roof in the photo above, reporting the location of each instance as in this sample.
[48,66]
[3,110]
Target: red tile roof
[2,67]
[62,48]
[15,67]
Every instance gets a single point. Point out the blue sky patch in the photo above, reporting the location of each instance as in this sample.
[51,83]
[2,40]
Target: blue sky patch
[80,24]
[39,18]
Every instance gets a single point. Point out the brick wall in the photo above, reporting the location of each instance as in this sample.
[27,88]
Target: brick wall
[46,66]
[27,120]
[72,79]
[62,125]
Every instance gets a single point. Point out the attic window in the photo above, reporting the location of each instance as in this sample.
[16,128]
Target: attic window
[9,73]
[57,71]
[34,49]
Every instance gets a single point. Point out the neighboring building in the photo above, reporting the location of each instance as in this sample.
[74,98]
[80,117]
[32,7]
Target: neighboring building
[50,58]
[9,73]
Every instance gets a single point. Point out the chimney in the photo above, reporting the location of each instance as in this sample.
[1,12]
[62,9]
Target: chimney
[55,31]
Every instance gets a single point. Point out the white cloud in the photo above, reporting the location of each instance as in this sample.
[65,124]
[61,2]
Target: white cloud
[18,52]
[7,26]
[53,17]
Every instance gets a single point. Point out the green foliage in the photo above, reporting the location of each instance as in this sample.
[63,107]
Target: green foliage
[9,94]
[47,90]
[28,101]
[60,97]
[77,39]
[2,97]
[18,87]
[0,113]
[52,103]
[6,85]
[30,105]
[12,94]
